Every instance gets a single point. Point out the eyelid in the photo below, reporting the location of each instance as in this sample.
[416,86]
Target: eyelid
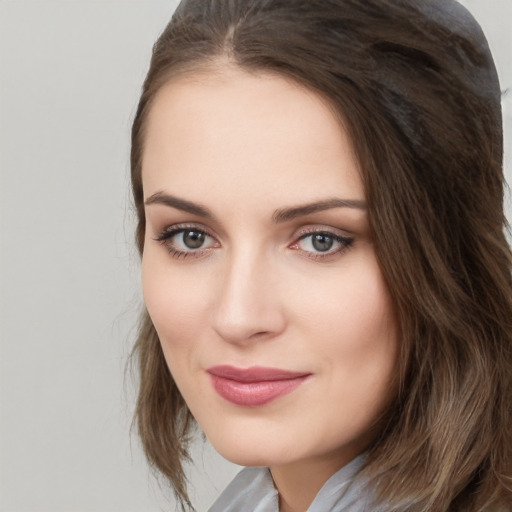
[171,230]
[345,240]
[341,237]
[321,228]
[165,236]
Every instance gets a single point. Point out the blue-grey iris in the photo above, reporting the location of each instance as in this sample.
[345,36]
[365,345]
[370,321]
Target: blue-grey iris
[322,243]
[193,239]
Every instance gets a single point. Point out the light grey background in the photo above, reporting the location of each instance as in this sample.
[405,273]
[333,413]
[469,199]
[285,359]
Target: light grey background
[70,75]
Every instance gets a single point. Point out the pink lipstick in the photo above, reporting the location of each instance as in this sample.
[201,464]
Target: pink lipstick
[254,386]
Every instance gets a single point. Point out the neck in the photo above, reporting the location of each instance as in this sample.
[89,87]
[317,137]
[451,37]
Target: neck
[299,482]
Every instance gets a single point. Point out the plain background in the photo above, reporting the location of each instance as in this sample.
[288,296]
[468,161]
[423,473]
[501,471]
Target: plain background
[70,75]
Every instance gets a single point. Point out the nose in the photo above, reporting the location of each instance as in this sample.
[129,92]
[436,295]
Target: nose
[248,305]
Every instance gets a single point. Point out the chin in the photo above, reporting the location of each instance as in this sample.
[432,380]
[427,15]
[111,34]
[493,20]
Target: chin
[250,450]
[245,458]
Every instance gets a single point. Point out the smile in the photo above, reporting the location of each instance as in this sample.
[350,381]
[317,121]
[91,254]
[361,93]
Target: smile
[255,386]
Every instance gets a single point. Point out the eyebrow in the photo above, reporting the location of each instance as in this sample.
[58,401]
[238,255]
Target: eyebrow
[279,216]
[287,214]
[180,204]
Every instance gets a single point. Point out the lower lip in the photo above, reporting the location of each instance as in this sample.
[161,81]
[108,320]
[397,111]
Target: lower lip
[253,394]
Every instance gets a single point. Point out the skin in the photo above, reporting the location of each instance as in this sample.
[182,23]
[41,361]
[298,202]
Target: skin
[258,292]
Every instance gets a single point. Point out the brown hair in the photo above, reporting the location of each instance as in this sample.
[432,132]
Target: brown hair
[416,87]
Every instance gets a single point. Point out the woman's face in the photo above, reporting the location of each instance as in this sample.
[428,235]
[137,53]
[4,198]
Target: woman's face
[259,272]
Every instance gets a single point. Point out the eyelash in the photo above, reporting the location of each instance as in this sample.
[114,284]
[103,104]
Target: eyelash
[345,242]
[166,236]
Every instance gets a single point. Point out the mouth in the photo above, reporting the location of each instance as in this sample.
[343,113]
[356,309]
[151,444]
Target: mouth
[255,386]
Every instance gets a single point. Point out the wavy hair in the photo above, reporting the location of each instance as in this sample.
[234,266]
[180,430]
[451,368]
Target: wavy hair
[417,90]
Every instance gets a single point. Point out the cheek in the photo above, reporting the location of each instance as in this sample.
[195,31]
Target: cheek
[353,309]
[367,333]
[350,325]
[175,301]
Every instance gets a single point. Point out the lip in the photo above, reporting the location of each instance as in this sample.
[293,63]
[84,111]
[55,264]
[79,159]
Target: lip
[255,386]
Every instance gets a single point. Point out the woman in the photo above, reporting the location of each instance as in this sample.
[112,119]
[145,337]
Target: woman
[327,281]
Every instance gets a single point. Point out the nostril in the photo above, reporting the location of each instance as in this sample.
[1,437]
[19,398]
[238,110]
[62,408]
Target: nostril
[259,334]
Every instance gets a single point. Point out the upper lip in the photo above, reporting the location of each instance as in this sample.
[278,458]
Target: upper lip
[254,373]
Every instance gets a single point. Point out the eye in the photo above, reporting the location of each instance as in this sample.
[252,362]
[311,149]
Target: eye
[322,244]
[186,241]
[191,239]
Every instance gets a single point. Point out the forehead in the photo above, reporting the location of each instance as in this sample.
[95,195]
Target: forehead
[261,131]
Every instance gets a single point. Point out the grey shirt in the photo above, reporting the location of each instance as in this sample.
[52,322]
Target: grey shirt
[252,490]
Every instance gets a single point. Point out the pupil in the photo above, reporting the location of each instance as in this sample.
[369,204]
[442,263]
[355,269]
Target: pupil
[193,239]
[322,243]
